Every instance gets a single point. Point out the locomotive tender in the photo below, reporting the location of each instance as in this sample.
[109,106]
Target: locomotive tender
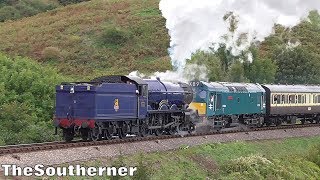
[255,105]
[120,105]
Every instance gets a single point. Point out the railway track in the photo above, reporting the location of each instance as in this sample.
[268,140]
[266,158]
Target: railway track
[25,148]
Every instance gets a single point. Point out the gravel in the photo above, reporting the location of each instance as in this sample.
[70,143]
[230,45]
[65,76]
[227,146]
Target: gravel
[54,157]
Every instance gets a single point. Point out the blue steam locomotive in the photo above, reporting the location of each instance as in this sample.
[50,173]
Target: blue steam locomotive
[120,105]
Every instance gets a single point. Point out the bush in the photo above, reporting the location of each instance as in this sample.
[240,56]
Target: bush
[9,13]
[114,36]
[12,10]
[51,54]
[66,2]
[27,92]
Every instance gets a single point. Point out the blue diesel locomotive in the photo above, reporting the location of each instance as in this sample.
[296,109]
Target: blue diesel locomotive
[120,105]
[225,103]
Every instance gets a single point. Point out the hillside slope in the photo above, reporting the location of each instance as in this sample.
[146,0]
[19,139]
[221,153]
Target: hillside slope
[93,38]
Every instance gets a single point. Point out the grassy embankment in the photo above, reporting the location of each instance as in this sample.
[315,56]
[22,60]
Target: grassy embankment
[92,38]
[297,158]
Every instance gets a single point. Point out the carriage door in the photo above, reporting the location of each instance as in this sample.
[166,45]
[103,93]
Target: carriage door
[142,101]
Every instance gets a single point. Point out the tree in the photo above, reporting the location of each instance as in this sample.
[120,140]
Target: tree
[297,66]
[262,71]
[205,63]
[236,72]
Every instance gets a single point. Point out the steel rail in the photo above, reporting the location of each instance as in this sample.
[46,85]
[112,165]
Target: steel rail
[25,148]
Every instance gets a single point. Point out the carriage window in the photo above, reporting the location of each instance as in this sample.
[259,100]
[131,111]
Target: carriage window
[278,99]
[310,98]
[286,100]
[299,99]
[304,99]
[318,99]
[292,99]
[275,99]
[283,99]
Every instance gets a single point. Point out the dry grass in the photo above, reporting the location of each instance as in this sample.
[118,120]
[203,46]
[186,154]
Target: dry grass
[76,30]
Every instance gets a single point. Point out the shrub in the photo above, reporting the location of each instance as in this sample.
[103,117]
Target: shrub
[16,9]
[27,92]
[51,54]
[114,36]
[66,2]
[9,13]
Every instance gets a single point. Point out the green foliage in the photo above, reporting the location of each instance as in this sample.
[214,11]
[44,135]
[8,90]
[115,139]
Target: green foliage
[262,71]
[259,167]
[66,2]
[314,155]
[297,66]
[212,64]
[236,72]
[113,36]
[11,10]
[51,53]
[143,171]
[26,100]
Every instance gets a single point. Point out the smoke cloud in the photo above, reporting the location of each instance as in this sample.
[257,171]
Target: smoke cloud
[190,72]
[197,24]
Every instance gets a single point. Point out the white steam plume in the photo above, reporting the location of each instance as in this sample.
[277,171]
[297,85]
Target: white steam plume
[190,72]
[196,24]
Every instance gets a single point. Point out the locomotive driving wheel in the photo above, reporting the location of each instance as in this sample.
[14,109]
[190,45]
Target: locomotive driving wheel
[95,134]
[84,134]
[107,134]
[68,134]
[122,131]
[121,134]
[172,130]
[158,132]
[144,131]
